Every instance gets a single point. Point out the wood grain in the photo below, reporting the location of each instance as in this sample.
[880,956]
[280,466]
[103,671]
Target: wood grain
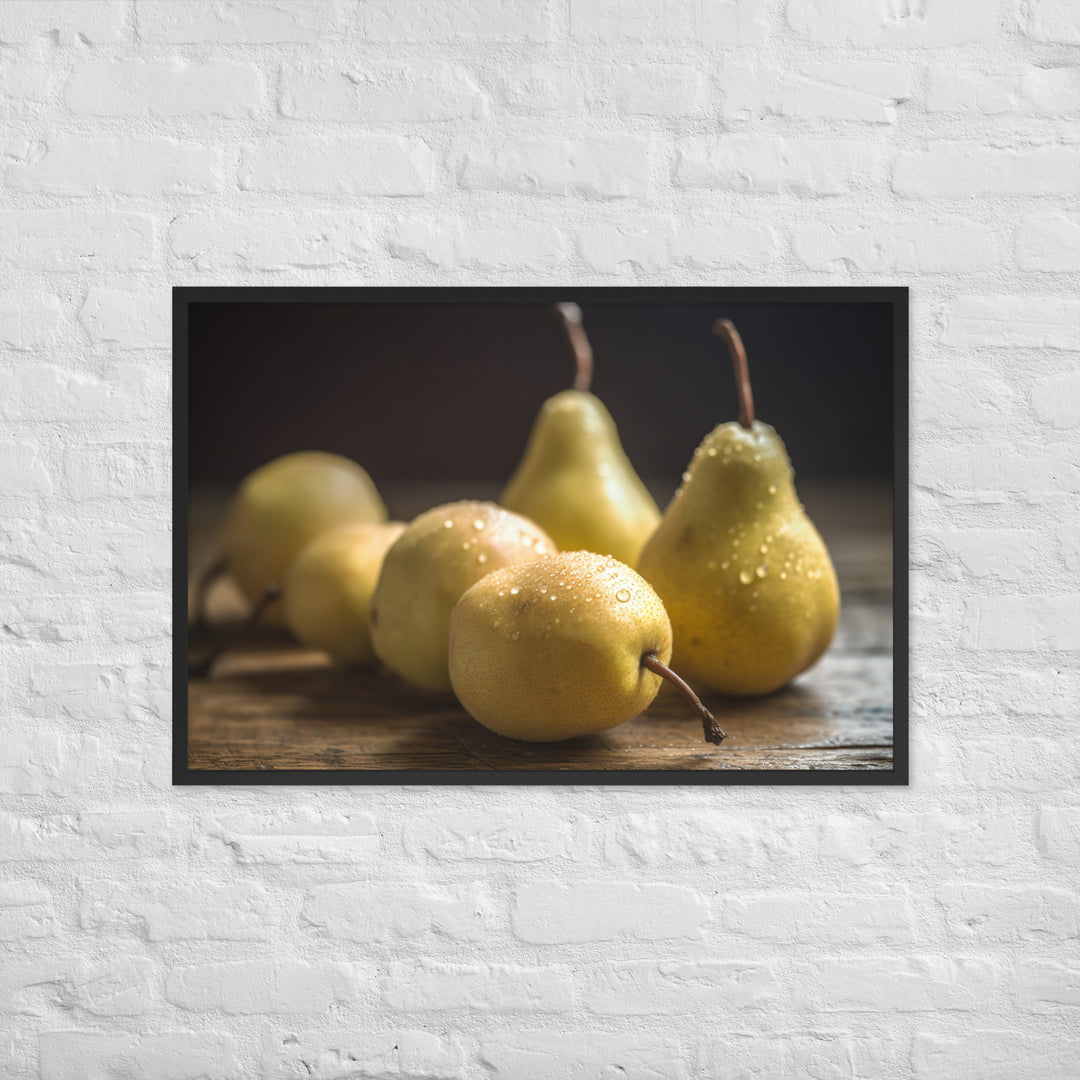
[274,705]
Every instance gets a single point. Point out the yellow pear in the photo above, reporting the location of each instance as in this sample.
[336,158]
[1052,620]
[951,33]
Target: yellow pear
[439,555]
[572,645]
[328,589]
[282,506]
[745,576]
[575,479]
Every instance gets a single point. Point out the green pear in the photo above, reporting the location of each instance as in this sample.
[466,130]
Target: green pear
[282,506]
[439,555]
[575,479]
[328,589]
[569,646]
[744,574]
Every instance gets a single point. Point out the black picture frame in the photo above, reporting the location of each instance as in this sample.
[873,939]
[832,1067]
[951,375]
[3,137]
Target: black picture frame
[894,296]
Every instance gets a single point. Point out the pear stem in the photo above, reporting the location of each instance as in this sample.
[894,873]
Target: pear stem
[725,328]
[202,589]
[709,725]
[579,342]
[201,668]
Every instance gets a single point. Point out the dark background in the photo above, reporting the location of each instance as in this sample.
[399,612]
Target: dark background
[448,392]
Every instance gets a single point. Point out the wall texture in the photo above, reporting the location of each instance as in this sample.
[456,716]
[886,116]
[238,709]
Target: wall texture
[517,934]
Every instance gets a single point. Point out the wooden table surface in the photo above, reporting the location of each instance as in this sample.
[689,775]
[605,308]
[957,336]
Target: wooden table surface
[271,704]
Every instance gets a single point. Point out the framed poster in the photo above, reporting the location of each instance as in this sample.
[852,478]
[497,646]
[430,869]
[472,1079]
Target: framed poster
[533,535]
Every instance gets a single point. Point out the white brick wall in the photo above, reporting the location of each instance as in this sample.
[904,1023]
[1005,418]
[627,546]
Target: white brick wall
[537,934]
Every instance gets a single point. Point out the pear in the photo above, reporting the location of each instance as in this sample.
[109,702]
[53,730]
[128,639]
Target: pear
[439,555]
[282,506]
[573,645]
[745,576]
[575,480]
[328,589]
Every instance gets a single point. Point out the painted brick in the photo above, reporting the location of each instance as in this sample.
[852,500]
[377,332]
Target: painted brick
[1056,400]
[1054,21]
[613,22]
[318,1055]
[24,80]
[856,90]
[994,1055]
[677,987]
[706,837]
[770,164]
[22,471]
[796,1054]
[164,88]
[920,838]
[136,617]
[889,983]
[47,762]
[933,24]
[236,22]
[959,401]
[874,246]
[586,1055]
[1049,242]
[361,165]
[597,167]
[435,987]
[819,917]
[1024,623]
[992,470]
[1016,88]
[421,93]
[189,1055]
[70,241]
[640,244]
[1003,913]
[216,911]
[1039,322]
[103,165]
[302,836]
[118,987]
[446,20]
[546,913]
[96,21]
[357,911]
[540,89]
[966,169]
[1000,554]
[113,392]
[274,987]
[493,243]
[505,835]
[657,90]
[710,245]
[26,911]
[28,320]
[1045,986]
[124,471]
[1059,832]
[126,320]
[105,835]
[214,241]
